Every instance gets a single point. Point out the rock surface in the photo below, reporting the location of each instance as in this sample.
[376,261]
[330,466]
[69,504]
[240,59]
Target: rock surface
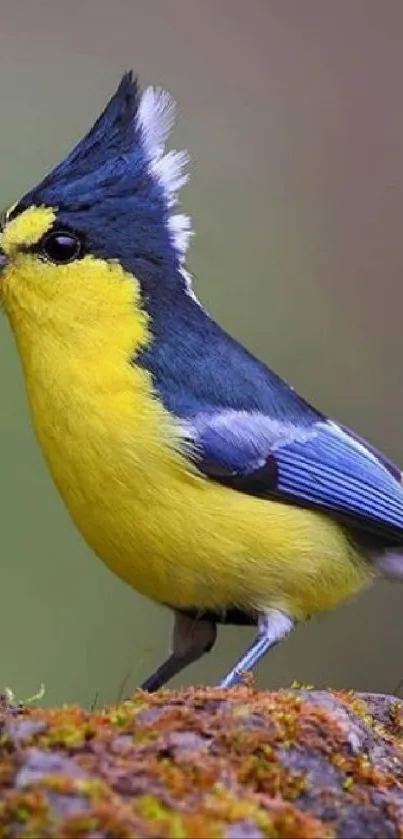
[205,763]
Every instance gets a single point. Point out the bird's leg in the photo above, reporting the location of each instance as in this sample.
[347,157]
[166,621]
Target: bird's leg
[191,638]
[273,626]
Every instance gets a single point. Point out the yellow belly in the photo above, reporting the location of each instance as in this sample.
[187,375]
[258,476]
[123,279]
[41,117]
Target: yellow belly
[118,459]
[168,532]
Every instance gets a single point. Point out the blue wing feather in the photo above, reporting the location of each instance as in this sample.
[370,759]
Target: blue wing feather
[323,467]
[330,471]
[256,434]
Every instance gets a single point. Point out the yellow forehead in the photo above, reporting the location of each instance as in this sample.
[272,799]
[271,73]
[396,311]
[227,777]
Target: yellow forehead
[27,228]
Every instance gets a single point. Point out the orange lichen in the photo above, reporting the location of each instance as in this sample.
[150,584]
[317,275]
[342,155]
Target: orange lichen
[197,763]
[27,811]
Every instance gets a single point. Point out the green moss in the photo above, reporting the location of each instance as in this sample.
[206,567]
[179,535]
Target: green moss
[357,705]
[28,812]
[197,762]
[171,823]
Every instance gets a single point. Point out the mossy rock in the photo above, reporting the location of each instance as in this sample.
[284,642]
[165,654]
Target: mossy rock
[205,763]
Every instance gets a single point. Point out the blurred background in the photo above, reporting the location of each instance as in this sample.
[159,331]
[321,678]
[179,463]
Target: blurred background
[293,115]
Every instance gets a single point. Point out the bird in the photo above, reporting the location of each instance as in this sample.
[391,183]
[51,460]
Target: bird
[193,471]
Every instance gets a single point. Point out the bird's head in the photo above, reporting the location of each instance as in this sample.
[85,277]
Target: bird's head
[102,229]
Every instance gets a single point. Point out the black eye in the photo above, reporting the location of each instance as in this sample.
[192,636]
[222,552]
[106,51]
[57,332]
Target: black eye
[61,247]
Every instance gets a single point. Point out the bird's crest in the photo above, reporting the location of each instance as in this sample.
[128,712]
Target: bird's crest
[121,167]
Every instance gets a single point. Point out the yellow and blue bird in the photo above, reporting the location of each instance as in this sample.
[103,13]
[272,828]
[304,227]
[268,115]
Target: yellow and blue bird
[191,469]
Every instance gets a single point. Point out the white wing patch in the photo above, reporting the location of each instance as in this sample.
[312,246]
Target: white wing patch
[155,118]
[252,427]
[250,433]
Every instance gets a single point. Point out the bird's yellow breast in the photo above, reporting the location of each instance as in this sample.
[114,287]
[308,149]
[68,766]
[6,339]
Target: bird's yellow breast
[120,463]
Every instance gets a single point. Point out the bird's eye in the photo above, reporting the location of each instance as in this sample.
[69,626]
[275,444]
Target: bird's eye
[61,247]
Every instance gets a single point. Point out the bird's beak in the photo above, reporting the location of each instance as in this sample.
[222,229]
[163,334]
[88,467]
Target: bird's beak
[3,260]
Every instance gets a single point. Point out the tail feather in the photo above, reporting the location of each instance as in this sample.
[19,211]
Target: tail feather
[390,564]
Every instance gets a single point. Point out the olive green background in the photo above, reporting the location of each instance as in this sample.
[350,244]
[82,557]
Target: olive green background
[293,113]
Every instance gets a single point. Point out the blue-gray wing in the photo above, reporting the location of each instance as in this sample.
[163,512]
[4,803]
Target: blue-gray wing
[323,466]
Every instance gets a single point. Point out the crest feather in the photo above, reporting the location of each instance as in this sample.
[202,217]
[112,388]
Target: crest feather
[122,169]
[155,120]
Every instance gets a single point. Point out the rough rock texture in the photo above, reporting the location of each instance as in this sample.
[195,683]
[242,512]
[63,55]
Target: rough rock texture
[205,763]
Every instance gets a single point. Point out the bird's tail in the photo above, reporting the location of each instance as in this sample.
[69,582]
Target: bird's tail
[390,564]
